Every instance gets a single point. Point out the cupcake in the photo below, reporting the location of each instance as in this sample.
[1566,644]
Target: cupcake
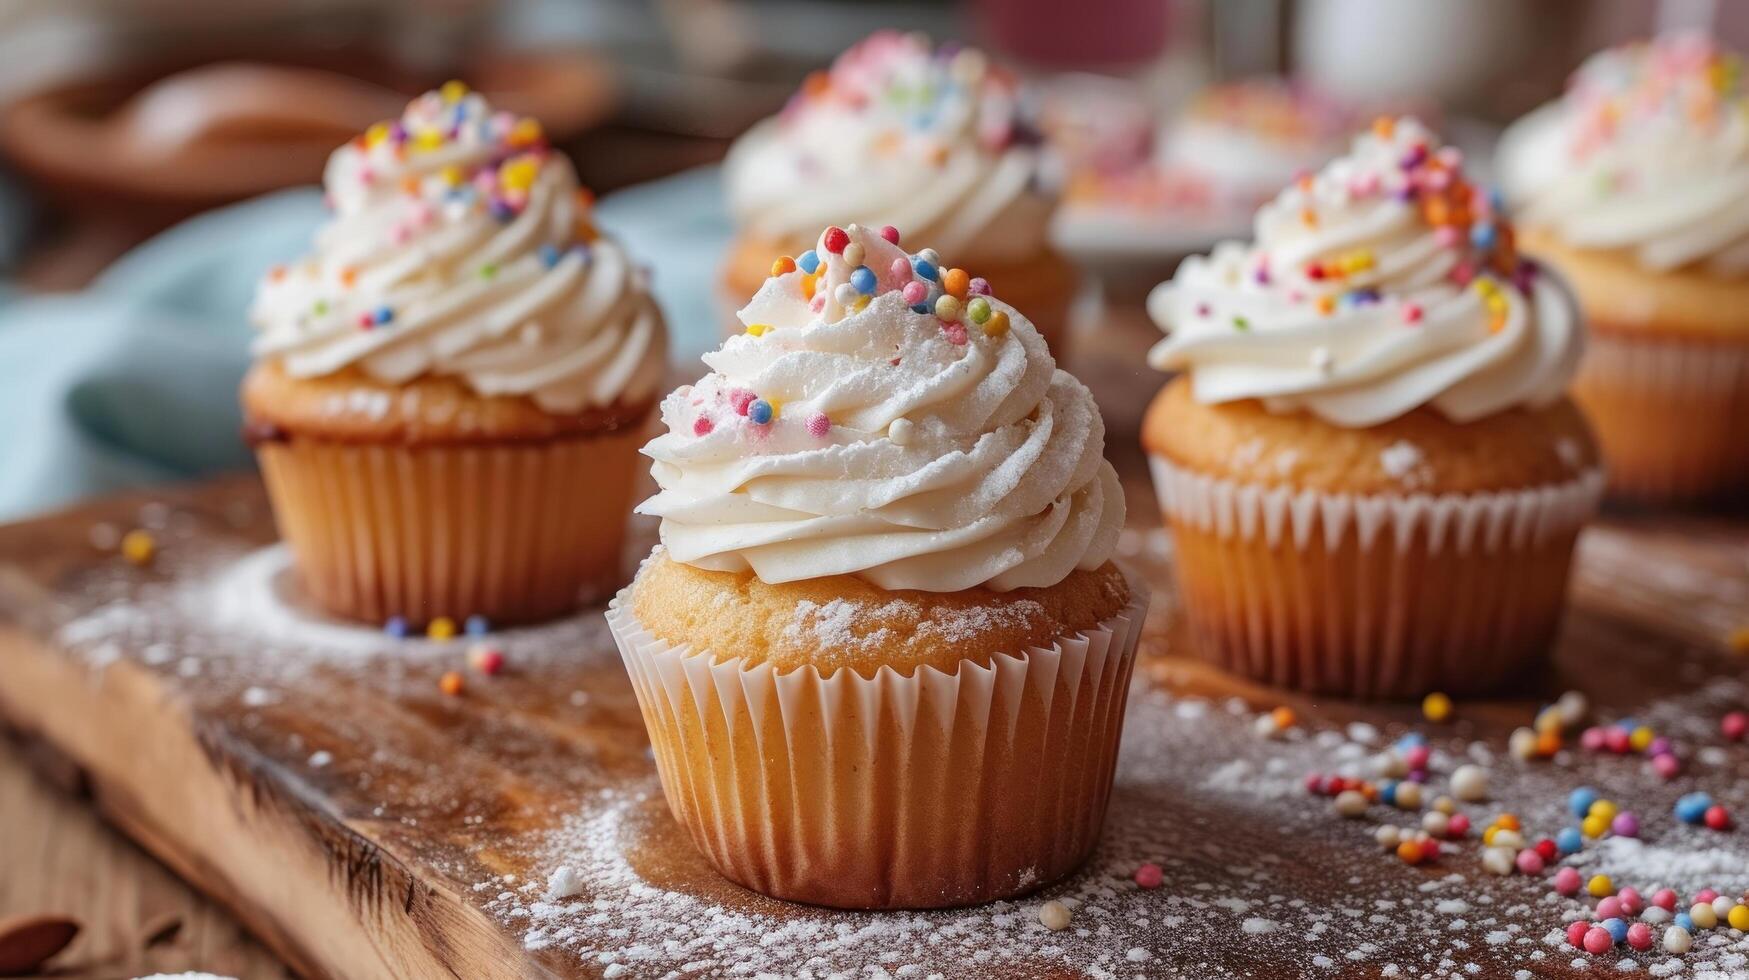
[1370,467]
[1635,185]
[936,141]
[449,392]
[882,650]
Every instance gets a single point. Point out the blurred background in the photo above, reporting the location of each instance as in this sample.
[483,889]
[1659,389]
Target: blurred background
[157,155]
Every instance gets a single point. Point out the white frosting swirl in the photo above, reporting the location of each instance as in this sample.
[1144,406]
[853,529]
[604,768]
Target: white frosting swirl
[914,451]
[1253,136]
[1384,283]
[896,133]
[460,245]
[1648,152]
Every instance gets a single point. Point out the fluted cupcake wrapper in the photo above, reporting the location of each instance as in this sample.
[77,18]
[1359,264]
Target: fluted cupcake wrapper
[515,532]
[1668,413]
[1388,596]
[890,791]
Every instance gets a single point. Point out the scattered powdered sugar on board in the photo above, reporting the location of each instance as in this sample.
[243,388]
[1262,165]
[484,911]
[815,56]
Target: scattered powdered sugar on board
[1247,855]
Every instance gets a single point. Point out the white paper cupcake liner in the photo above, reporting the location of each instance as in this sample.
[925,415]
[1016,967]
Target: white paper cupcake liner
[1668,413]
[1372,595]
[890,791]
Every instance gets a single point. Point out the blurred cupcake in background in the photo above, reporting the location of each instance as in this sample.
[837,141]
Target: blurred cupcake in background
[883,650]
[450,390]
[1372,472]
[1635,185]
[1230,149]
[934,140]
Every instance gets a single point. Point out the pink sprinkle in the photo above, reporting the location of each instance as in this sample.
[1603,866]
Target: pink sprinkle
[1667,766]
[1631,902]
[1447,236]
[1705,895]
[1592,739]
[1617,741]
[1626,824]
[1530,862]
[1461,274]
[1567,881]
[366,175]
[979,286]
[1609,908]
[1598,940]
[956,333]
[1734,726]
[901,270]
[1457,826]
[486,182]
[739,399]
[702,426]
[818,303]
[1365,185]
[1576,933]
[1665,898]
[915,292]
[1640,936]
[1150,877]
[1417,756]
[400,233]
[1411,313]
[891,234]
[1202,309]
[818,423]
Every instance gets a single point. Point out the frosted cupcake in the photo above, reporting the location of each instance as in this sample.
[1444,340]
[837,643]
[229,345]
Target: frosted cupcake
[882,651]
[450,390]
[1636,186]
[935,141]
[1370,467]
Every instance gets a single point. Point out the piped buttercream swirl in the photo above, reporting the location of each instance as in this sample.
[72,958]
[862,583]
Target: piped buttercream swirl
[460,245]
[1383,283]
[887,418]
[933,140]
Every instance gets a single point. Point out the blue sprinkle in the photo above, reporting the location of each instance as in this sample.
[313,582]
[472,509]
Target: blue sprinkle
[1627,724]
[1411,740]
[920,308]
[396,626]
[1569,840]
[1683,920]
[809,262]
[384,314]
[477,625]
[925,269]
[1482,235]
[1618,929]
[549,255]
[1580,800]
[1692,807]
[1496,201]
[863,278]
[1388,793]
[759,412]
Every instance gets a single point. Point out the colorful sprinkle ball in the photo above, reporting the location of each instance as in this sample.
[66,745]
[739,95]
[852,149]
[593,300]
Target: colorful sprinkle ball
[1734,726]
[396,626]
[1470,783]
[1600,886]
[451,683]
[485,658]
[1567,881]
[441,628]
[139,547]
[1436,707]
[1054,915]
[477,626]
[1150,877]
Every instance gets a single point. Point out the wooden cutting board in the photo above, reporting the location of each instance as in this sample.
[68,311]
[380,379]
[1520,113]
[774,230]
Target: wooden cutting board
[312,777]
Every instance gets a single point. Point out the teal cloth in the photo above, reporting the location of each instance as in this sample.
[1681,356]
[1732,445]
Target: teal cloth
[134,380]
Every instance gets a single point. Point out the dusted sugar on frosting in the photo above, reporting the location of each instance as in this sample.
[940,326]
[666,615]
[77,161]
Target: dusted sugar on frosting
[1648,152]
[1384,283]
[887,417]
[934,140]
[461,245]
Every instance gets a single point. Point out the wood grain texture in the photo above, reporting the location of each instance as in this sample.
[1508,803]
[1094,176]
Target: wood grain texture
[357,820]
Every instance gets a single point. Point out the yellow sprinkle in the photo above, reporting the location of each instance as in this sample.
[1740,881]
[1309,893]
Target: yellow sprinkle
[776,407]
[427,139]
[518,174]
[1436,707]
[525,132]
[997,325]
[1594,826]
[1605,809]
[1739,918]
[1639,738]
[1487,287]
[441,628]
[453,90]
[453,175]
[1488,835]
[376,134]
[138,547]
[1600,886]
[757,329]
